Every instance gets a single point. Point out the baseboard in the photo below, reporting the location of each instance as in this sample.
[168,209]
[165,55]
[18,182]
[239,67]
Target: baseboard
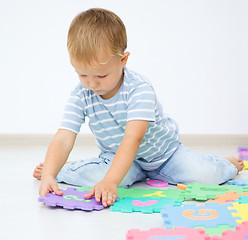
[88,140]
[33,140]
[214,140]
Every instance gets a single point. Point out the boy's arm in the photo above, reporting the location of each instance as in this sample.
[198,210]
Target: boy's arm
[57,154]
[124,157]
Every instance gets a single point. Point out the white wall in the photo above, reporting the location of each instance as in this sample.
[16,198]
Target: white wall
[194,52]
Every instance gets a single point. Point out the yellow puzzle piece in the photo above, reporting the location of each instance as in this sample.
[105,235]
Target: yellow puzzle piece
[246,164]
[242,211]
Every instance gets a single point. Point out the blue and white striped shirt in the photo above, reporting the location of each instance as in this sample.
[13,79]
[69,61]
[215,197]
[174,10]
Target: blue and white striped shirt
[135,100]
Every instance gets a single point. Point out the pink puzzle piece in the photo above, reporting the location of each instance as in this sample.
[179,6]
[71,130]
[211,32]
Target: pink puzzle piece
[156,183]
[241,233]
[138,203]
[161,234]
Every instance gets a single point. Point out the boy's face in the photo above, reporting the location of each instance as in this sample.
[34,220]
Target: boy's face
[104,79]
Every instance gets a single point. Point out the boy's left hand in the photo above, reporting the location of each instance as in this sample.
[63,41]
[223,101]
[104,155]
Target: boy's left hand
[105,190]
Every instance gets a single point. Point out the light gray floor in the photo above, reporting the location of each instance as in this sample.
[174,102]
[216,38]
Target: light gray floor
[23,217]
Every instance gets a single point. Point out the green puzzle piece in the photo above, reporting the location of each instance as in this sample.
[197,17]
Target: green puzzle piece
[204,192]
[81,189]
[216,230]
[151,193]
[143,204]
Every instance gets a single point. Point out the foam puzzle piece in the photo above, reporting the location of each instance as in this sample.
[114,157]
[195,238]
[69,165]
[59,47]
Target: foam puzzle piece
[246,165]
[216,231]
[243,153]
[229,196]
[71,199]
[200,191]
[156,183]
[239,182]
[192,215]
[242,199]
[153,193]
[243,156]
[241,211]
[240,233]
[183,233]
[143,205]
[243,149]
[141,192]
[83,188]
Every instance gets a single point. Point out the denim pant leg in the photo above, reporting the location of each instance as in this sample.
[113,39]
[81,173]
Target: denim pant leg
[91,171]
[186,166]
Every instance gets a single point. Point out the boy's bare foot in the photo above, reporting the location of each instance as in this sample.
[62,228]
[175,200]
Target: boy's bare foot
[236,161]
[38,171]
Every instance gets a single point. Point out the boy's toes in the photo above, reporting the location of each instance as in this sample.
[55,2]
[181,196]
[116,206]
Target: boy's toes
[242,165]
[37,173]
[240,160]
[40,166]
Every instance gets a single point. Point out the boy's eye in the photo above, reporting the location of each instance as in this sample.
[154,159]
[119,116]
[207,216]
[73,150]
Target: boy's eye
[102,76]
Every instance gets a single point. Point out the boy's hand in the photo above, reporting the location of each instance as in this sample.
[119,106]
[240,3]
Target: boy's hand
[105,190]
[48,184]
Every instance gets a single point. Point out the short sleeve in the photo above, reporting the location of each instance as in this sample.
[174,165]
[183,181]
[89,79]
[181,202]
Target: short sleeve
[141,103]
[74,114]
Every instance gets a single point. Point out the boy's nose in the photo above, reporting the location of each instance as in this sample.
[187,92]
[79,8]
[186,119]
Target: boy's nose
[93,84]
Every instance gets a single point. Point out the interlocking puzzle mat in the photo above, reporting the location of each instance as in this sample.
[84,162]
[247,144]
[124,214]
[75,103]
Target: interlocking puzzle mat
[243,154]
[246,165]
[239,182]
[241,211]
[139,193]
[156,183]
[71,199]
[192,215]
[153,193]
[165,234]
[204,192]
[216,231]
[240,233]
[227,197]
[144,205]
[83,188]
[242,199]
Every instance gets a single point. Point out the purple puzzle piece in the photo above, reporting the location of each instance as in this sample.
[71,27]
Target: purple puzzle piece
[243,153]
[71,199]
[243,149]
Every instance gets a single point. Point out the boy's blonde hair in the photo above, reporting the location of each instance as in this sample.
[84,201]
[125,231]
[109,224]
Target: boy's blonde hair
[94,32]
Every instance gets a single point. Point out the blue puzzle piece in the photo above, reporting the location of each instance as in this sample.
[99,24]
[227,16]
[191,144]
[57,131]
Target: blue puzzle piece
[144,205]
[239,182]
[192,215]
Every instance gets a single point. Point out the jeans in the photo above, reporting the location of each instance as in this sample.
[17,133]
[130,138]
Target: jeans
[184,166]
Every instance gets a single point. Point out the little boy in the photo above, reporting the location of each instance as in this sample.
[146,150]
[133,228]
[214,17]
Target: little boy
[135,138]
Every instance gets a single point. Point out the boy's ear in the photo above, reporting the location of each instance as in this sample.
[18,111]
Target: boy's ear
[124,59]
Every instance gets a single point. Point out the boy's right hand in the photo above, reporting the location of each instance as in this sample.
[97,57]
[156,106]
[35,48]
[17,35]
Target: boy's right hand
[48,185]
